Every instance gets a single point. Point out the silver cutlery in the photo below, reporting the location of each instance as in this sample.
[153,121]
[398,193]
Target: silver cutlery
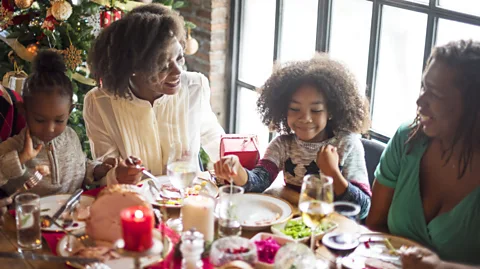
[84,239]
[71,200]
[29,183]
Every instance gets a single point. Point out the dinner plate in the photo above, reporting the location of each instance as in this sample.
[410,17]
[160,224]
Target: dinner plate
[50,204]
[329,226]
[169,196]
[372,252]
[122,262]
[258,211]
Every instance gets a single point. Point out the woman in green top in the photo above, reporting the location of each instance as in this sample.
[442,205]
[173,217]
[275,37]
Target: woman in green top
[428,181]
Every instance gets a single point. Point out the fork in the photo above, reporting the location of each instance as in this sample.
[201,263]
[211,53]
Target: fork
[29,183]
[153,186]
[84,239]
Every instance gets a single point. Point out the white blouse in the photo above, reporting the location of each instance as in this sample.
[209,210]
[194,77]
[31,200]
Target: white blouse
[122,127]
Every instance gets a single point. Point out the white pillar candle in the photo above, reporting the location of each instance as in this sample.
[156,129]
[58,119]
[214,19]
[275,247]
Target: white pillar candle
[197,212]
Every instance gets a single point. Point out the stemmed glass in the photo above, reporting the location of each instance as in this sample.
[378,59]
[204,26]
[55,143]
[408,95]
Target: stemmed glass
[316,201]
[181,170]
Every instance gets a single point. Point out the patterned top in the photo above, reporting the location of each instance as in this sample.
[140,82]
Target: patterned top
[297,158]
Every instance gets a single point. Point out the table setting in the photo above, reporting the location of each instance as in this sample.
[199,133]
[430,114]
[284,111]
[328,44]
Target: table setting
[232,225]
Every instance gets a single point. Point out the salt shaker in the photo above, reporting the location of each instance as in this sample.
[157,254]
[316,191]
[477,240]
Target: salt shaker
[192,249]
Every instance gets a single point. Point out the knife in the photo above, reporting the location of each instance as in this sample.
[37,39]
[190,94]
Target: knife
[44,257]
[67,204]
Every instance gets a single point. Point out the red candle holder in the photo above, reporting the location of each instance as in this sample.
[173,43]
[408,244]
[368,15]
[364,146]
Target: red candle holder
[137,227]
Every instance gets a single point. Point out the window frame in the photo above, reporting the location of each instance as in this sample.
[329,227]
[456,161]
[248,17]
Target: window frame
[324,13]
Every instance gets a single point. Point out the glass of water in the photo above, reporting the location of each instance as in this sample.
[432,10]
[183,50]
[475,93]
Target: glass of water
[227,208]
[27,209]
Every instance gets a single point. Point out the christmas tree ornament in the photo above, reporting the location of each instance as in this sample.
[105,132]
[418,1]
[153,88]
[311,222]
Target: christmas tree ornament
[109,15]
[191,44]
[14,80]
[61,10]
[72,56]
[6,17]
[23,4]
[49,23]
[94,22]
[32,48]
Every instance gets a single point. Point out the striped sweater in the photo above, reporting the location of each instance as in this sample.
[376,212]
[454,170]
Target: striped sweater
[297,158]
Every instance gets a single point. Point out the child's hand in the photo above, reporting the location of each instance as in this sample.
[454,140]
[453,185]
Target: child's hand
[3,207]
[230,167]
[327,160]
[129,171]
[28,151]
[43,169]
[101,170]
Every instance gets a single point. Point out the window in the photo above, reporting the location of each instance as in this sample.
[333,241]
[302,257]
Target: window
[384,43]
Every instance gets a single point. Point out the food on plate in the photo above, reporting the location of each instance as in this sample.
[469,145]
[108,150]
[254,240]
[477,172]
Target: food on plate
[372,263]
[103,223]
[82,212]
[390,247]
[102,253]
[267,249]
[171,196]
[296,229]
[262,222]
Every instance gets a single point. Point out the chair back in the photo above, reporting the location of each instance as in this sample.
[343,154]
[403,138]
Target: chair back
[373,152]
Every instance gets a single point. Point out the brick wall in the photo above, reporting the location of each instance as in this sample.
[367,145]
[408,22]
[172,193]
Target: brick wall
[212,20]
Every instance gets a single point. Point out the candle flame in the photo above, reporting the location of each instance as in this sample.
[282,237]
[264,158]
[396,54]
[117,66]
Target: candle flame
[138,214]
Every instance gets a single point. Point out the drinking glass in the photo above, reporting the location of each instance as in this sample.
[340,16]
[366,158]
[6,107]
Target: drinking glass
[344,243]
[227,208]
[27,215]
[315,202]
[182,168]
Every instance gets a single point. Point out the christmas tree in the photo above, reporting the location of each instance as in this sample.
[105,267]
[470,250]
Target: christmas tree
[66,26]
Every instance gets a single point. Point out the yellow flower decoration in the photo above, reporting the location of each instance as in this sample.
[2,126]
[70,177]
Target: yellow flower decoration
[72,56]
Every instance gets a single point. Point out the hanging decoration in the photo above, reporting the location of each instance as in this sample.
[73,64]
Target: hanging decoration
[61,10]
[72,56]
[50,21]
[14,80]
[6,17]
[24,4]
[108,15]
[32,48]
[191,45]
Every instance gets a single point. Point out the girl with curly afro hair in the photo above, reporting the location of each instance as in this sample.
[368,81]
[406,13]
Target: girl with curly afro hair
[146,104]
[316,107]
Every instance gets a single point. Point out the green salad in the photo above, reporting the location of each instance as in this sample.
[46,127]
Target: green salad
[297,229]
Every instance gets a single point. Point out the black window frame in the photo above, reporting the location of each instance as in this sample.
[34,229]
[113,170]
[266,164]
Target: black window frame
[433,11]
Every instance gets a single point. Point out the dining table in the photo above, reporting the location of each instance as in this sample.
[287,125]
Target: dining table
[8,237]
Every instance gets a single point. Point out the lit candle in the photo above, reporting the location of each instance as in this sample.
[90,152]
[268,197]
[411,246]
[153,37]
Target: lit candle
[137,226]
[197,212]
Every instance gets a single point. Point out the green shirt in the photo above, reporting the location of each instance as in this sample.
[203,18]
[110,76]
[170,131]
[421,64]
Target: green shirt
[453,235]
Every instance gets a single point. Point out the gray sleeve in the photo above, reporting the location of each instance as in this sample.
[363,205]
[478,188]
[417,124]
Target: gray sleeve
[352,159]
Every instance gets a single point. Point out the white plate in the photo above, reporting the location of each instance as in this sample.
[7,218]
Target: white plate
[163,183]
[277,229]
[262,236]
[123,262]
[258,211]
[50,204]
[376,253]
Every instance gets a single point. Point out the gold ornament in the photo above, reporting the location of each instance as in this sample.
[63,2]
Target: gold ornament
[23,4]
[32,48]
[191,45]
[72,56]
[6,17]
[61,10]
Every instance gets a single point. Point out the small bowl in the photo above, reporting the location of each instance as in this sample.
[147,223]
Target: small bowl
[281,240]
[277,230]
[219,255]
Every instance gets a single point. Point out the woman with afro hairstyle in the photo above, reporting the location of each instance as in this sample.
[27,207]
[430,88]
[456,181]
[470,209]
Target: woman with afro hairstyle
[316,107]
[147,105]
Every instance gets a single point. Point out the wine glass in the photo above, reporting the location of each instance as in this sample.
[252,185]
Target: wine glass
[181,168]
[315,202]
[344,243]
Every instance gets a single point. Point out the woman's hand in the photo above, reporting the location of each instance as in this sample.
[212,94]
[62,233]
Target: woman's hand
[102,169]
[230,167]
[129,171]
[421,258]
[3,208]
[327,160]
[28,152]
